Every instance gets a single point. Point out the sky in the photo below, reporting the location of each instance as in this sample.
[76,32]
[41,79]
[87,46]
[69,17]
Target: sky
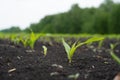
[24,12]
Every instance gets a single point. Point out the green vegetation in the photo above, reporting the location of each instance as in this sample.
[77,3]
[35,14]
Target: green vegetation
[102,20]
[100,44]
[13,29]
[71,50]
[32,39]
[28,40]
[15,38]
[115,57]
[24,41]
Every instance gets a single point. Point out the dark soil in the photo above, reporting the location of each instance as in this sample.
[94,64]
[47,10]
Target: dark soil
[91,62]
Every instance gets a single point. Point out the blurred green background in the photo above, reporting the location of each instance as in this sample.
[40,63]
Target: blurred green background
[102,20]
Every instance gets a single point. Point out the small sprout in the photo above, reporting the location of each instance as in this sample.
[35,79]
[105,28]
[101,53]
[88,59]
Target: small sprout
[12,37]
[100,44]
[71,50]
[33,39]
[74,76]
[44,50]
[24,41]
[15,39]
[112,46]
[115,57]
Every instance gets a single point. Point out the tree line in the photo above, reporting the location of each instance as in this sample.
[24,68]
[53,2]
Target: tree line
[102,20]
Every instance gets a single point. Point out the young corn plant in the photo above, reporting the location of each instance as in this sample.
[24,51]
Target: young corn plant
[14,38]
[24,41]
[100,44]
[71,50]
[29,40]
[32,39]
[115,57]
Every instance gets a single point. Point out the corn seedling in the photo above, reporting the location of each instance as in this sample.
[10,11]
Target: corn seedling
[100,44]
[115,57]
[71,50]
[14,38]
[24,41]
[32,39]
[44,50]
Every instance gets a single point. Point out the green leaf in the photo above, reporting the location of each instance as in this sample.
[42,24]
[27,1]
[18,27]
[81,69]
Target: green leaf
[67,48]
[93,40]
[116,58]
[33,39]
[80,44]
[112,46]
[72,50]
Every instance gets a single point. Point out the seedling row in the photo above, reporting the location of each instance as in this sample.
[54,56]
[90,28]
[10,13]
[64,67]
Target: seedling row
[28,40]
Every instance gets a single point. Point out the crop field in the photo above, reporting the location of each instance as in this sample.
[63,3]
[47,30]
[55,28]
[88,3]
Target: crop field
[59,57]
